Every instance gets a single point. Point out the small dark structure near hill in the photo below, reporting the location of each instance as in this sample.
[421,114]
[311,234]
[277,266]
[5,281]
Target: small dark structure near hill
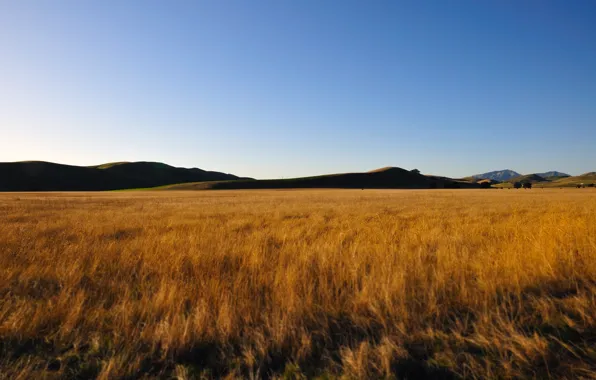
[517,185]
[527,185]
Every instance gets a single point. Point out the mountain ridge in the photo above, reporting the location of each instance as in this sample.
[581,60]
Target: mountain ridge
[553,173]
[48,176]
[508,174]
[498,175]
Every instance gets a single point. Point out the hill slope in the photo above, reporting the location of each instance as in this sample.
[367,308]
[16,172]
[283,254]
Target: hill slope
[48,176]
[531,178]
[586,179]
[498,175]
[386,178]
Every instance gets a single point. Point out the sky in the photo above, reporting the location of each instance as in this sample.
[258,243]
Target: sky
[272,89]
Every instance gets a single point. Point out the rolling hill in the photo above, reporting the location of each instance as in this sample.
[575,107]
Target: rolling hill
[479,180]
[586,179]
[488,181]
[531,178]
[553,182]
[48,176]
[385,178]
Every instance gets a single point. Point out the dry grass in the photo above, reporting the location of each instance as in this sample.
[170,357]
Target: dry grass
[360,284]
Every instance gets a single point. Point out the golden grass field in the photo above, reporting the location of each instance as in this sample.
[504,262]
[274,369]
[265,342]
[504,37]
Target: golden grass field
[292,284]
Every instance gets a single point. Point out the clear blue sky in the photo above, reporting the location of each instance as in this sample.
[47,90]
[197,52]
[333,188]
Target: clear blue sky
[290,88]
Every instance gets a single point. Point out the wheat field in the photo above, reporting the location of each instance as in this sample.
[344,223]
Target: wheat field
[299,284]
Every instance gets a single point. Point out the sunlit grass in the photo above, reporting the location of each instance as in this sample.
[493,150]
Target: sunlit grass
[463,283]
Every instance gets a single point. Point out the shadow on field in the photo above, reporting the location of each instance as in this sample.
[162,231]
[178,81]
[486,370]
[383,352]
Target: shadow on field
[548,314]
[324,360]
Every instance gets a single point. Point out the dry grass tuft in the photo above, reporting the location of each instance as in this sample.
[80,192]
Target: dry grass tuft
[296,284]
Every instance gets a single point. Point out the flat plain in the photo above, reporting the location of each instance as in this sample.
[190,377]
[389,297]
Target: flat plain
[293,284]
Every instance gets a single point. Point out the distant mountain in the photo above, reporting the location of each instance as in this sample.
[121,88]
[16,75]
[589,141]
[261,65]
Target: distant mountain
[553,173]
[48,176]
[385,178]
[499,175]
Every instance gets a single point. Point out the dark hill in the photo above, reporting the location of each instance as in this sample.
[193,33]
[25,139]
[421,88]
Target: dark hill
[530,178]
[469,179]
[110,164]
[47,176]
[162,173]
[385,178]
[556,178]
